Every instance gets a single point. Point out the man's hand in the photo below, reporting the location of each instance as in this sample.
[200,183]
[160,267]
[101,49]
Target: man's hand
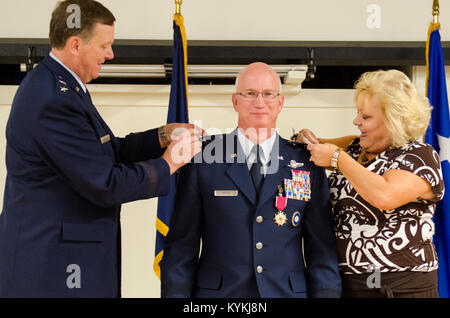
[185,144]
[168,132]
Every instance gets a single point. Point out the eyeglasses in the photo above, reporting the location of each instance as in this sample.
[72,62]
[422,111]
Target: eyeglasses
[252,95]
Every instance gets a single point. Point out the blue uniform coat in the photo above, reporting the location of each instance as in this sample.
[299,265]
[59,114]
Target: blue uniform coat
[67,176]
[243,252]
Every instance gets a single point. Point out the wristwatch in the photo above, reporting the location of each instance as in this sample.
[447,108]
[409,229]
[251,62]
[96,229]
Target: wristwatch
[163,137]
[334,159]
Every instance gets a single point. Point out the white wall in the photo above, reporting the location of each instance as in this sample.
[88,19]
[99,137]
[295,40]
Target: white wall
[293,20]
[135,108]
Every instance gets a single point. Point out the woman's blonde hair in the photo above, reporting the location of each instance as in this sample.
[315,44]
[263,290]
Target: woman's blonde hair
[406,112]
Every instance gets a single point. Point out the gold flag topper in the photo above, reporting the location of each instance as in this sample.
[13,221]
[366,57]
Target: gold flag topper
[435,11]
[178,4]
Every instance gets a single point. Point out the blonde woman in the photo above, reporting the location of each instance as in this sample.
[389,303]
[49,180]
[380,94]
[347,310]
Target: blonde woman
[384,190]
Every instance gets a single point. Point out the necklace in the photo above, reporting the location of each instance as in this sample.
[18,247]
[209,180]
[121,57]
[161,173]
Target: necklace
[364,158]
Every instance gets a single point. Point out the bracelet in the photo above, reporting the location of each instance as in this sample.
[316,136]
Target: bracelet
[334,159]
[163,137]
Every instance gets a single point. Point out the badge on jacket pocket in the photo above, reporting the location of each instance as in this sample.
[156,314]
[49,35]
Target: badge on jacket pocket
[296,218]
[225,193]
[105,139]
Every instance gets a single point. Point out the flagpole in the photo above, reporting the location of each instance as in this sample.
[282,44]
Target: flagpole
[178,4]
[438,130]
[435,11]
[177,112]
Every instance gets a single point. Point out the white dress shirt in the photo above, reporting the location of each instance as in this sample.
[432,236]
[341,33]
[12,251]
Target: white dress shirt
[247,146]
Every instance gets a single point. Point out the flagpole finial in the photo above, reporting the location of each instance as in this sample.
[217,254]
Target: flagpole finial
[178,4]
[435,11]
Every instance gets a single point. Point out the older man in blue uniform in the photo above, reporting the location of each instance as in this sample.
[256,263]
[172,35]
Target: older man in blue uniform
[67,174]
[256,208]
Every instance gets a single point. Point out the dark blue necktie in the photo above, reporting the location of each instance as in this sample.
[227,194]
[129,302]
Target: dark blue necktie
[256,169]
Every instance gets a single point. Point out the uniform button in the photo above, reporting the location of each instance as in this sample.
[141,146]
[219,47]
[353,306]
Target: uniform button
[259,219]
[259,269]
[259,245]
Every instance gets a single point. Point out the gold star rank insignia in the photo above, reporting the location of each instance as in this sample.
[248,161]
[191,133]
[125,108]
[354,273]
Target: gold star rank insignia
[280,218]
[64,89]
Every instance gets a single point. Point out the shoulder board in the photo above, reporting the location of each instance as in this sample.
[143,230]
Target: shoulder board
[210,138]
[296,144]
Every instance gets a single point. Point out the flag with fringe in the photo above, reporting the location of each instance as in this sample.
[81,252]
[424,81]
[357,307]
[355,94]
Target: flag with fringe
[438,135]
[177,112]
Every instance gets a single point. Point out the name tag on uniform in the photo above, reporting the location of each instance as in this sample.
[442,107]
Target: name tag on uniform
[225,193]
[105,139]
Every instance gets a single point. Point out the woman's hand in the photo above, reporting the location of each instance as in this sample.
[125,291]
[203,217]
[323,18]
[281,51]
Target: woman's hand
[321,154]
[307,136]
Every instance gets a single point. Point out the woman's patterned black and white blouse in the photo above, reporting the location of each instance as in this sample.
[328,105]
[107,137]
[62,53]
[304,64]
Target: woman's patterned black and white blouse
[388,240]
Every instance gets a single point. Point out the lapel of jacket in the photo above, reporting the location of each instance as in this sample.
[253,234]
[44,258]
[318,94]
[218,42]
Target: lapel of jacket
[67,79]
[276,172]
[88,99]
[237,167]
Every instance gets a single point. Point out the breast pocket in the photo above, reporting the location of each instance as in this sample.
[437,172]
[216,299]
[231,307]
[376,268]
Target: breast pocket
[226,193]
[295,210]
[107,146]
[105,138]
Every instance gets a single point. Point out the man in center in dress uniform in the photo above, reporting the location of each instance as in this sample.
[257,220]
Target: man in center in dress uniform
[262,214]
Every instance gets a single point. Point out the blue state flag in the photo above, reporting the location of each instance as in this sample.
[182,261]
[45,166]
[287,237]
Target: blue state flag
[178,112]
[438,135]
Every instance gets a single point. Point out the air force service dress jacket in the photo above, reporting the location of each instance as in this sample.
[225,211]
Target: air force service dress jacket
[249,246]
[67,176]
